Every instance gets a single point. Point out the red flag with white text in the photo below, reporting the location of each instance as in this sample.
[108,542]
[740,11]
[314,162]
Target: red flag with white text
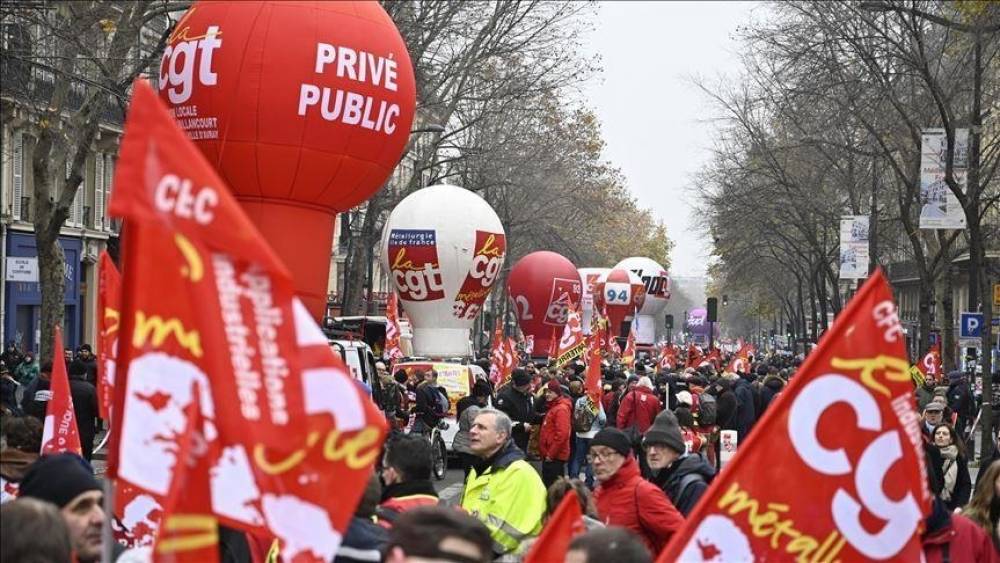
[60,433]
[210,319]
[843,449]
[595,352]
[564,524]
[109,293]
[693,357]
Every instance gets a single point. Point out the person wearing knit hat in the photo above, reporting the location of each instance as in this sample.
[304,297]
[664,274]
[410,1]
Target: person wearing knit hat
[624,498]
[683,477]
[68,482]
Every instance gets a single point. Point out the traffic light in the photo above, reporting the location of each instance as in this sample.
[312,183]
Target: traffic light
[788,329]
[712,310]
[725,300]
[670,321]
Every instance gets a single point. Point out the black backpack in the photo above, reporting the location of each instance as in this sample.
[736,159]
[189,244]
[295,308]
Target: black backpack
[583,416]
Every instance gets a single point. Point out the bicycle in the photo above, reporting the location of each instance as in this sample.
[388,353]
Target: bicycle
[439,452]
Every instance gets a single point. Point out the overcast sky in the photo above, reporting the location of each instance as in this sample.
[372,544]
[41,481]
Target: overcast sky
[654,119]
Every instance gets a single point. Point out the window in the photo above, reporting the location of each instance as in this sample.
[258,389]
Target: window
[18,165]
[99,179]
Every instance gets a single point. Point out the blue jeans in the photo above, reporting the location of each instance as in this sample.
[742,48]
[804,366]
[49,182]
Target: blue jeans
[579,460]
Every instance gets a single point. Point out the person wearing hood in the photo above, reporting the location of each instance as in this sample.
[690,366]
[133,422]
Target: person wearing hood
[726,403]
[925,393]
[503,491]
[624,498]
[746,414]
[553,444]
[682,476]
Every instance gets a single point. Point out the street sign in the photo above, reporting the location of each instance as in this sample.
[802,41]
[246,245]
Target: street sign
[22,269]
[970,325]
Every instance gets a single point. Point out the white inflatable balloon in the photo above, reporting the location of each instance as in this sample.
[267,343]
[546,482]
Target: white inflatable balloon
[443,247]
[654,277]
[589,277]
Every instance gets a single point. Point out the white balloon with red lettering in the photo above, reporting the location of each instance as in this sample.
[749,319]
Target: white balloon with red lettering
[657,283]
[588,278]
[621,293]
[444,248]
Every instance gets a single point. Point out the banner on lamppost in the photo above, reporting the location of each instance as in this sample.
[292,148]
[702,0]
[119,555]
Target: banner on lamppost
[854,247]
[940,209]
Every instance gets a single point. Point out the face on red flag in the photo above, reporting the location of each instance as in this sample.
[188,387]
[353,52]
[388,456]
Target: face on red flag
[572,343]
[843,448]
[109,320]
[60,433]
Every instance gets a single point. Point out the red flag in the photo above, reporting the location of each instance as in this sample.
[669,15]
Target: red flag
[392,331]
[203,293]
[693,357]
[553,345]
[740,362]
[60,433]
[564,524]
[497,353]
[930,364]
[843,447]
[572,344]
[668,357]
[628,356]
[594,354]
[108,307]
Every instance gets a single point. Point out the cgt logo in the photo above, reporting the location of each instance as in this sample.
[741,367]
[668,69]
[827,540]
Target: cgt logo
[871,468]
[183,52]
[560,298]
[414,265]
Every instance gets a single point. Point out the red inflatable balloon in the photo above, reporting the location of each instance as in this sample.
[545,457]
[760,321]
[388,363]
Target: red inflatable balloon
[621,293]
[542,285]
[303,107]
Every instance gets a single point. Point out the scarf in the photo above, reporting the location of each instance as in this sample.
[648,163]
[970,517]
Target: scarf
[950,470]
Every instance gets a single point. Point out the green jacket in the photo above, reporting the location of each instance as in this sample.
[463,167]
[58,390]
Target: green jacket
[508,496]
[25,372]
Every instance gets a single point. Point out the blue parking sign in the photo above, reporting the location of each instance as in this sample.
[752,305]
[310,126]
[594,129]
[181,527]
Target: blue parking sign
[971,325]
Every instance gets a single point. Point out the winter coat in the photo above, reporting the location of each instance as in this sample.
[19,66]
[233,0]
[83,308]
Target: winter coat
[639,407]
[363,541]
[556,430]
[745,415]
[400,497]
[725,406]
[684,481]
[520,408]
[959,496]
[629,501]
[428,408]
[26,372]
[506,494]
[84,407]
[955,538]
[8,395]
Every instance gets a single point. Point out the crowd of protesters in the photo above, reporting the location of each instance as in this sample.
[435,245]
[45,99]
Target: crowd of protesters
[638,460]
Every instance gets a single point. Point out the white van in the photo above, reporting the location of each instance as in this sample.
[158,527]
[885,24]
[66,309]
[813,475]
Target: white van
[360,361]
[372,331]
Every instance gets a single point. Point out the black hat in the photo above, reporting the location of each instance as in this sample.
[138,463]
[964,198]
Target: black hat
[520,377]
[614,439]
[58,479]
[665,430]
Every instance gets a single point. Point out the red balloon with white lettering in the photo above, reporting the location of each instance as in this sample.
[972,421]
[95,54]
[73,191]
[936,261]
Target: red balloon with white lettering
[303,107]
[621,293]
[542,285]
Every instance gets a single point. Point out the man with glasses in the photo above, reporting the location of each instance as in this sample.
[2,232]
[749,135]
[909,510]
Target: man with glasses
[503,490]
[624,498]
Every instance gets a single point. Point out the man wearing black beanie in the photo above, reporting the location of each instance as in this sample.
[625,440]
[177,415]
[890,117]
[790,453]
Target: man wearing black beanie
[68,482]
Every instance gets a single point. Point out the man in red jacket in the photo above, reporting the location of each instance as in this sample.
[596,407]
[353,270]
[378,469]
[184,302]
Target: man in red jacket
[639,407]
[553,443]
[624,498]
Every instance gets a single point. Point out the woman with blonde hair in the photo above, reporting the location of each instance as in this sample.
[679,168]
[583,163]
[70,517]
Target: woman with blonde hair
[984,508]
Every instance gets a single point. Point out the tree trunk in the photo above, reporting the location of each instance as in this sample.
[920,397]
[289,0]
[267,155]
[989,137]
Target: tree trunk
[948,360]
[926,298]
